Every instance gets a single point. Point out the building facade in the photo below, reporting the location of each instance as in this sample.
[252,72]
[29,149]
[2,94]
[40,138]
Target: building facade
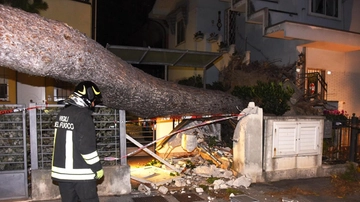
[320,36]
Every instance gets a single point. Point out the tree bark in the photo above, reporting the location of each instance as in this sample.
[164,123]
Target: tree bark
[38,46]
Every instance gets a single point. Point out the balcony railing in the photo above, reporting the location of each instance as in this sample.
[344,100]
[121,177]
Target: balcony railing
[314,86]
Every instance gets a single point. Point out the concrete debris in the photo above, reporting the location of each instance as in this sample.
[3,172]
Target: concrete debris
[203,161]
[212,171]
[180,182]
[242,182]
[197,170]
[163,189]
[251,109]
[154,186]
[144,189]
[189,142]
[206,153]
[219,184]
[211,198]
[199,190]
[199,176]
[197,173]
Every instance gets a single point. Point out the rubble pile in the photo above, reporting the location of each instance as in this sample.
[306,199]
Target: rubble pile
[199,159]
[200,174]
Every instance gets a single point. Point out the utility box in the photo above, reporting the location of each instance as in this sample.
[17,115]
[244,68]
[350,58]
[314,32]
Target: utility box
[292,147]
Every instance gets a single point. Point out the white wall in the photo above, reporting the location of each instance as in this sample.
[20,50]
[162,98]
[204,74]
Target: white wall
[28,93]
[163,128]
[279,51]
[202,16]
[248,144]
[343,82]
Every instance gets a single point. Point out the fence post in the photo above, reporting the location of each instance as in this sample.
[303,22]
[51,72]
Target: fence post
[33,138]
[353,138]
[122,134]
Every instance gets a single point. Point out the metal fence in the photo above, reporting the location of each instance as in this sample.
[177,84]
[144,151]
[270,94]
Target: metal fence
[26,141]
[344,142]
[111,142]
[13,153]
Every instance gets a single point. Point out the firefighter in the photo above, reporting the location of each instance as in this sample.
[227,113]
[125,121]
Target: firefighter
[76,165]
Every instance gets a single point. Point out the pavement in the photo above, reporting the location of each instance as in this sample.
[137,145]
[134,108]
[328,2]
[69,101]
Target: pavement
[299,190]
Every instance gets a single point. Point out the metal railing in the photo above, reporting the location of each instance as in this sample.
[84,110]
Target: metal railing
[13,153]
[344,143]
[109,123]
[12,140]
[315,85]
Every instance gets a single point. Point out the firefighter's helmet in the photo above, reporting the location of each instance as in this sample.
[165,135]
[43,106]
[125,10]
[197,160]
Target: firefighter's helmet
[88,92]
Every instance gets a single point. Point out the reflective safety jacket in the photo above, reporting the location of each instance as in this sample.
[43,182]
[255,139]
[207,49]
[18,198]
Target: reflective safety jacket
[74,156]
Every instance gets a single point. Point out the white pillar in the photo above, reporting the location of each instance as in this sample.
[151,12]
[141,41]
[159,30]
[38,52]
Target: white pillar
[248,144]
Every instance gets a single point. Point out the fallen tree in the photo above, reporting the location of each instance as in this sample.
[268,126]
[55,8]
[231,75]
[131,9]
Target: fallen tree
[38,46]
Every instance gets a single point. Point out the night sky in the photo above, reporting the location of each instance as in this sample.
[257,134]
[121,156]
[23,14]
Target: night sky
[119,21]
[126,23]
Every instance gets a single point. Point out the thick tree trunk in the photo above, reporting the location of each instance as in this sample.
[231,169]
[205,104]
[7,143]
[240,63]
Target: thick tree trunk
[37,46]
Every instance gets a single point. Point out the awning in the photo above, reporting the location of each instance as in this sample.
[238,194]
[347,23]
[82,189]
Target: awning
[158,56]
[317,37]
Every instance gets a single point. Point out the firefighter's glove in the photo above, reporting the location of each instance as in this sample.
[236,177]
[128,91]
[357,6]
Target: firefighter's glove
[99,174]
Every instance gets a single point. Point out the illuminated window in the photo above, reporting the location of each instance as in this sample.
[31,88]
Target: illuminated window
[180,31]
[62,90]
[4,87]
[325,7]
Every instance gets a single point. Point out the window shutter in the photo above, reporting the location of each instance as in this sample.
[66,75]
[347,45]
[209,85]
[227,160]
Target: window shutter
[308,140]
[293,138]
[284,139]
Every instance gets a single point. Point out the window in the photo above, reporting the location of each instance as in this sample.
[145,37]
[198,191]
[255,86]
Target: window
[180,31]
[230,26]
[4,87]
[315,83]
[325,7]
[62,90]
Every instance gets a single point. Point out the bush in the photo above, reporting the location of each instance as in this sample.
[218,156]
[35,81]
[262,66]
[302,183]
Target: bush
[217,86]
[195,81]
[272,97]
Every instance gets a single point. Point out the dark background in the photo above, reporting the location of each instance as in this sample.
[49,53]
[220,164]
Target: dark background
[120,22]
[126,23]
